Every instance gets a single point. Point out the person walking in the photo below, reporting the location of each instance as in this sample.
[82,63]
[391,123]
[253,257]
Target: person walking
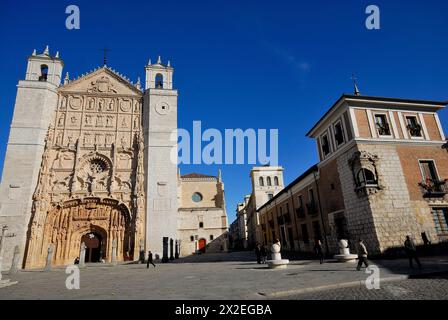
[150,260]
[264,254]
[319,251]
[411,252]
[362,255]
[258,253]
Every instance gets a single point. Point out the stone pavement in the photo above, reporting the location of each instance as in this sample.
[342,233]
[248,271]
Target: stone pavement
[430,288]
[219,276]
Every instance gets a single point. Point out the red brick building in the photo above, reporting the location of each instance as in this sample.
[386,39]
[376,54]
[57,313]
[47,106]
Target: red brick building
[382,175]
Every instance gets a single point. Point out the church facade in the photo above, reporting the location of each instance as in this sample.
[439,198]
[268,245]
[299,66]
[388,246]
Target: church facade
[88,161]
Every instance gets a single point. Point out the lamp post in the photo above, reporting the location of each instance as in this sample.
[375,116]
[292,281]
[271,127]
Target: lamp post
[321,215]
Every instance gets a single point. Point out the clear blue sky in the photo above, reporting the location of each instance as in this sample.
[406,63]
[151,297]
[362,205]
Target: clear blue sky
[242,64]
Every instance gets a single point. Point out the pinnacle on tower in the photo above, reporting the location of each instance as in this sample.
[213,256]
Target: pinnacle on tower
[149,61]
[169,63]
[47,50]
[138,85]
[159,60]
[66,79]
[57,54]
[34,52]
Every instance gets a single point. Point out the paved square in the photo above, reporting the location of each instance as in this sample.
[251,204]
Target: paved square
[214,276]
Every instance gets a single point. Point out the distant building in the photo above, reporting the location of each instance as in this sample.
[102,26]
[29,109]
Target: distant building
[267,181]
[202,220]
[381,176]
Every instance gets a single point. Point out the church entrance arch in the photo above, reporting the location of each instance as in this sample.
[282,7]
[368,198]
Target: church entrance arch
[95,243]
[95,221]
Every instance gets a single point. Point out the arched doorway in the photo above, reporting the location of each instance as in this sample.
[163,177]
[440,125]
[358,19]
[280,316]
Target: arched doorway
[202,244]
[95,244]
[72,222]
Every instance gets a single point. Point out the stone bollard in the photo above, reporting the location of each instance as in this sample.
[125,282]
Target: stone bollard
[114,252]
[165,250]
[49,257]
[15,260]
[82,256]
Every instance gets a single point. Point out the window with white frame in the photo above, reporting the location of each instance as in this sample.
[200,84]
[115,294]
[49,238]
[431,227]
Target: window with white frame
[414,127]
[325,145]
[382,125]
[339,134]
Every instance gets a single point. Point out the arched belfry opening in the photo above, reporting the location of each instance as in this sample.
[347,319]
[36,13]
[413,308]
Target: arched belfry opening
[43,72]
[159,81]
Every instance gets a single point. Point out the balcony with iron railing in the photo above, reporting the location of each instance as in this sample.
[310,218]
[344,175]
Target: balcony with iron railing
[434,188]
[383,129]
[415,130]
[300,211]
[312,208]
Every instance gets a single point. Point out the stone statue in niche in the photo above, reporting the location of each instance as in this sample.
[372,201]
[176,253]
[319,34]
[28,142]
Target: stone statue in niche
[87,139]
[73,119]
[109,121]
[59,139]
[99,121]
[136,122]
[61,121]
[123,142]
[123,123]
[88,120]
[111,105]
[109,139]
[100,105]
[91,104]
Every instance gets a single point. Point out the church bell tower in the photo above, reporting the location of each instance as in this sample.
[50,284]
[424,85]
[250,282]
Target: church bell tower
[160,126]
[34,108]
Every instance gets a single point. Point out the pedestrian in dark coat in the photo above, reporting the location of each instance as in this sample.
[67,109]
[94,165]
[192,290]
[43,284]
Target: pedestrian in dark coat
[362,255]
[411,252]
[150,260]
[319,250]
[258,253]
[264,254]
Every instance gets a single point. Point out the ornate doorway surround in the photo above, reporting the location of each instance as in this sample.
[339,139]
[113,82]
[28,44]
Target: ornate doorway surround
[65,225]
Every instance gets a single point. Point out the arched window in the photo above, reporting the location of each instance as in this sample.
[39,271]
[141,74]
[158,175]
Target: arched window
[159,81]
[43,72]
[366,177]
[261,182]
[268,181]
[276,181]
[201,224]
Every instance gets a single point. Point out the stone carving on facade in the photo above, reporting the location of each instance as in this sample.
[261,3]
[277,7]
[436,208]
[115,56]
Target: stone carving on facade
[102,85]
[90,185]
[365,174]
[75,102]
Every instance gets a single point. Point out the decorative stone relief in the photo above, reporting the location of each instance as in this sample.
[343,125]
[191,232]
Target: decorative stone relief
[75,102]
[102,85]
[125,105]
[364,169]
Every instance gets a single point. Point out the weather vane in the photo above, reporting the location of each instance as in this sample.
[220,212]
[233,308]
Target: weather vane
[105,50]
[355,85]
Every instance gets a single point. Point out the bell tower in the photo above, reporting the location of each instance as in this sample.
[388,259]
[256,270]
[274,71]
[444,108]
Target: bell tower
[160,126]
[34,108]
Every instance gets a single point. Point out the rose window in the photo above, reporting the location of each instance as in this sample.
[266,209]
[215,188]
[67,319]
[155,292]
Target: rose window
[97,166]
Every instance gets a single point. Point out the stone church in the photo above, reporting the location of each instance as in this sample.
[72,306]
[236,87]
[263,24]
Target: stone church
[88,161]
